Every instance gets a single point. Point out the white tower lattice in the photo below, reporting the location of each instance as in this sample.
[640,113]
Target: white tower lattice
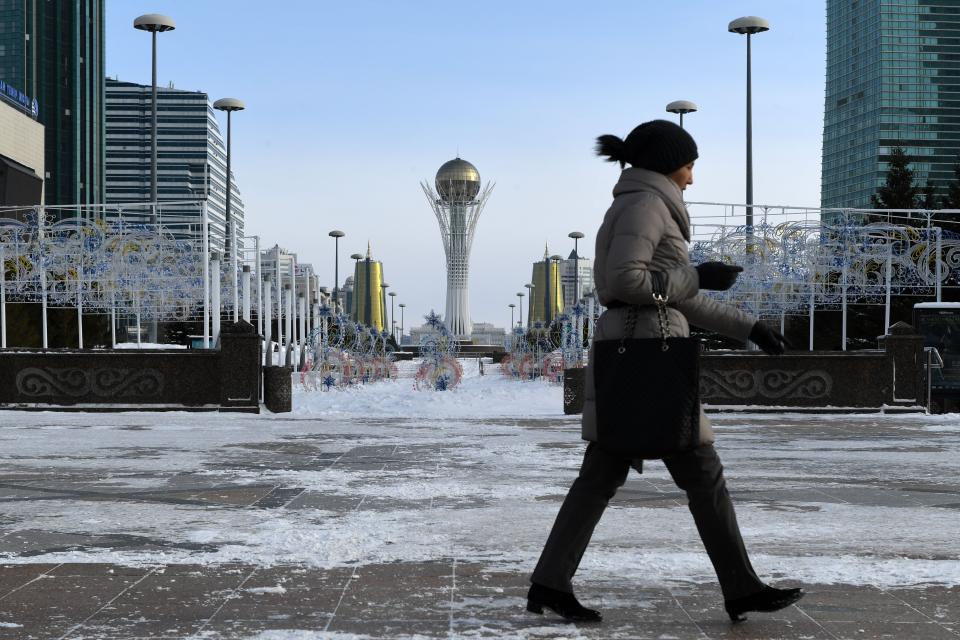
[457,202]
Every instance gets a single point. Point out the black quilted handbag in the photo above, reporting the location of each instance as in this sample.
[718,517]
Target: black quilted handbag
[647,390]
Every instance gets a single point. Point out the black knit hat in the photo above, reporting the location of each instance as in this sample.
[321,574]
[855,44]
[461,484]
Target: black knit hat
[658,145]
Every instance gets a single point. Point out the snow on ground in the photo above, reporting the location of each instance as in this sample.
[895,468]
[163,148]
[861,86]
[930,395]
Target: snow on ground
[478,396]
[475,473]
[147,345]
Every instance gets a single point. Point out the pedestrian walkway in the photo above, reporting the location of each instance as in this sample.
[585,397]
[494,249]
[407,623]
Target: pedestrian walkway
[441,599]
[185,526]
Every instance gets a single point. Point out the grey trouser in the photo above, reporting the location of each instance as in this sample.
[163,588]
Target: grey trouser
[697,472]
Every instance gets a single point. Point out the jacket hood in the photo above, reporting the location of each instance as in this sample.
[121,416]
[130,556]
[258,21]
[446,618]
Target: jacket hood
[635,180]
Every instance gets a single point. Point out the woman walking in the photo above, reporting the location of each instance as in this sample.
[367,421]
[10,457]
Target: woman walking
[643,239]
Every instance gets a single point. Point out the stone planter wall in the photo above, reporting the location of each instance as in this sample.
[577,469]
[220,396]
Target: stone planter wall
[891,376]
[224,379]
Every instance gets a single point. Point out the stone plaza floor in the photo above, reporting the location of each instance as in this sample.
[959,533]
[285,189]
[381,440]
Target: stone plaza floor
[338,526]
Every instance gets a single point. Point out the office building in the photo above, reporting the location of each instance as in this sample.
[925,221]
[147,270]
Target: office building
[893,79]
[191,154]
[575,273]
[53,53]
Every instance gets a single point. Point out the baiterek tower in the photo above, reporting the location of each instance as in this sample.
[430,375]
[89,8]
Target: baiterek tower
[457,202]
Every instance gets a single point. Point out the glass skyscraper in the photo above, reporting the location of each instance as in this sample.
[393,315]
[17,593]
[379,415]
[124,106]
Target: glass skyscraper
[191,154]
[54,53]
[893,79]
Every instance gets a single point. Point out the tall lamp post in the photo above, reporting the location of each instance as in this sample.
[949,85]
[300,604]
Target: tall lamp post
[402,307]
[230,105]
[520,321]
[512,307]
[748,26]
[576,235]
[154,23]
[336,234]
[393,325]
[529,287]
[681,107]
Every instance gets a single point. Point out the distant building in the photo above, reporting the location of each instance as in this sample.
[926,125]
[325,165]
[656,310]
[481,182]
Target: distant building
[483,333]
[576,273]
[53,53]
[893,79]
[191,154]
[487,334]
[546,297]
[368,299]
[346,293]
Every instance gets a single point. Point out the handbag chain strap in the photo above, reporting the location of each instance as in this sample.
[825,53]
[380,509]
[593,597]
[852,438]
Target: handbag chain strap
[659,282]
[660,297]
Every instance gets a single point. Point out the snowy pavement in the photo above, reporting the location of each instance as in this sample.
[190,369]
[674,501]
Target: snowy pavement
[387,512]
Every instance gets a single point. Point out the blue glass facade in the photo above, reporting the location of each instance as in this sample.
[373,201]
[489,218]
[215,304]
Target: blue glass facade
[893,79]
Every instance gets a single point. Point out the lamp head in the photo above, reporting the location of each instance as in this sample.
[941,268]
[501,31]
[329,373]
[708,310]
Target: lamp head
[336,233]
[576,235]
[229,104]
[681,107]
[154,23]
[748,25]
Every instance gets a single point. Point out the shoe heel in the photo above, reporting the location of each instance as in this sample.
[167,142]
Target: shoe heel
[533,607]
[737,617]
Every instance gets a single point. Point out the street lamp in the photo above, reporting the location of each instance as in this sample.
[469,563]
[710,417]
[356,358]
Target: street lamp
[336,234]
[393,325]
[576,235]
[230,105]
[749,26]
[520,322]
[530,287]
[154,23]
[512,307]
[402,307]
[681,107]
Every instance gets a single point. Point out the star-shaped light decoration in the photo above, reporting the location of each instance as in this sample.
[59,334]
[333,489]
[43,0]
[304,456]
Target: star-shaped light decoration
[433,320]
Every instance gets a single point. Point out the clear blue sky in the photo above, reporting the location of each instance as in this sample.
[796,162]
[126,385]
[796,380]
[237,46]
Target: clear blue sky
[351,104]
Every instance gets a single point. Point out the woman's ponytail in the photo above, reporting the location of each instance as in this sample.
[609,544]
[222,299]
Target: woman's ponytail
[612,148]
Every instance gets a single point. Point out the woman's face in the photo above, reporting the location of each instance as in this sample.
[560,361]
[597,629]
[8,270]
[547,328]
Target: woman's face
[683,176]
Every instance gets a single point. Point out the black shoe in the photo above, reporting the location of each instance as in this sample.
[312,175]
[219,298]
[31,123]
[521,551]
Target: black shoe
[563,604]
[769,599]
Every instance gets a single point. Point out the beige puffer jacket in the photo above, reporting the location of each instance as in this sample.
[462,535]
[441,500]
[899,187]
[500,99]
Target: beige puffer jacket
[647,229]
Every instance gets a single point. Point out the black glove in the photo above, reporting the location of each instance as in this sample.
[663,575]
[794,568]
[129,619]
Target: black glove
[771,341]
[717,276]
